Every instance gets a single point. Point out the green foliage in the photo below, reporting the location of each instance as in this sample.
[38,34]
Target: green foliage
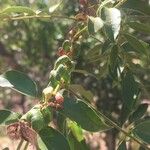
[130,92]
[50,138]
[136,44]
[78,89]
[112,18]
[76,130]
[19,82]
[140,27]
[142,130]
[107,43]
[122,146]
[75,144]
[139,112]
[18,9]
[8,117]
[84,115]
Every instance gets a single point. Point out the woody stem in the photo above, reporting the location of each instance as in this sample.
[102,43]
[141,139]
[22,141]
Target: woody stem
[20,144]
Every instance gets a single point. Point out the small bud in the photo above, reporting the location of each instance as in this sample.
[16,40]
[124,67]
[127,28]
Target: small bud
[47,92]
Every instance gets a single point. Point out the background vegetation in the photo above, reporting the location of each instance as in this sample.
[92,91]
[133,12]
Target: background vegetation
[109,72]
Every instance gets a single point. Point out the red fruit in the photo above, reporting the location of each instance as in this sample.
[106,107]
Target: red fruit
[82,2]
[61,52]
[59,98]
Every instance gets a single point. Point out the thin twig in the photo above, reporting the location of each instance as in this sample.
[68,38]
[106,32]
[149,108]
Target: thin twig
[79,33]
[96,39]
[20,144]
[120,3]
[26,146]
[38,16]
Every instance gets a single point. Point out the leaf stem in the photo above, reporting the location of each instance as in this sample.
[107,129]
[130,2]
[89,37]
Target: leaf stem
[38,16]
[78,33]
[96,39]
[120,3]
[26,146]
[20,144]
[101,6]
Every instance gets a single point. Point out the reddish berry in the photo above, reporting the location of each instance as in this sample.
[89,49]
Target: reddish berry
[61,52]
[82,2]
[59,98]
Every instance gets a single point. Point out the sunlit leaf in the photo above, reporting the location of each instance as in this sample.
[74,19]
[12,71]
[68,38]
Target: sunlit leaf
[55,7]
[97,23]
[76,130]
[112,21]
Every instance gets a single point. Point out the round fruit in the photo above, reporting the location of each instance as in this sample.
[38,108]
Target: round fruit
[59,98]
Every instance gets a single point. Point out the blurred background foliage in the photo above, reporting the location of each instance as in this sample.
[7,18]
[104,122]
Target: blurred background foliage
[31,46]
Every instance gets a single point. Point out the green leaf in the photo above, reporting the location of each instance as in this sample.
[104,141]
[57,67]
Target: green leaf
[66,45]
[130,92]
[93,52]
[76,130]
[85,116]
[19,82]
[78,89]
[8,117]
[90,27]
[113,62]
[140,27]
[135,43]
[139,112]
[112,18]
[142,6]
[129,88]
[142,131]
[97,23]
[106,46]
[127,47]
[51,139]
[76,145]
[18,9]
[84,72]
